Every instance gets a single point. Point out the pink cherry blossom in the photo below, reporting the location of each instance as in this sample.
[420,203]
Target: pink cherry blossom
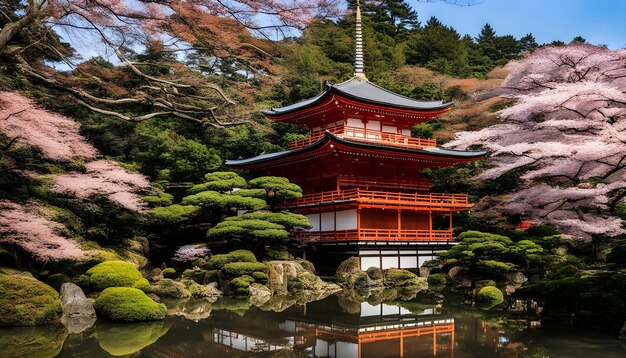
[566,131]
[22,226]
[106,178]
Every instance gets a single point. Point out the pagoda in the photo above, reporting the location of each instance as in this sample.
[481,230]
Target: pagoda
[360,172]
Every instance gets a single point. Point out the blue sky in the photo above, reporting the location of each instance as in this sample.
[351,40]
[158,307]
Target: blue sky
[598,21]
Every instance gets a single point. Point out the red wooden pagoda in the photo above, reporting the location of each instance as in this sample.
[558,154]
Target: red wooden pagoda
[360,172]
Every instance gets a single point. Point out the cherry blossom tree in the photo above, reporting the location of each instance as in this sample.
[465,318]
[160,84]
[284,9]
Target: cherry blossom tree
[566,135]
[105,178]
[174,55]
[23,227]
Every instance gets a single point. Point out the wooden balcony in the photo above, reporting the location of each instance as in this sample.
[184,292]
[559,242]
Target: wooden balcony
[367,136]
[364,234]
[383,199]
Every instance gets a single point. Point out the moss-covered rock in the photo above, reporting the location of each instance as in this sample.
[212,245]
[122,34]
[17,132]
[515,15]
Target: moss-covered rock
[128,304]
[211,276]
[126,339]
[375,273]
[170,273]
[394,277]
[168,288]
[484,283]
[25,301]
[195,274]
[233,269]
[490,295]
[143,285]
[438,279]
[112,274]
[239,285]
[197,290]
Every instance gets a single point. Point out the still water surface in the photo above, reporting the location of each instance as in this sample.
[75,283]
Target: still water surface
[333,327]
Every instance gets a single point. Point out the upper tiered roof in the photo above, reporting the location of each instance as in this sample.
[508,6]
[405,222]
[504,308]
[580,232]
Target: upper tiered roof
[362,90]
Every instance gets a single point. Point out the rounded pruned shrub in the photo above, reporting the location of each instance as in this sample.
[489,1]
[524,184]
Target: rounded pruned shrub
[128,304]
[218,261]
[490,295]
[243,268]
[394,277]
[112,274]
[260,277]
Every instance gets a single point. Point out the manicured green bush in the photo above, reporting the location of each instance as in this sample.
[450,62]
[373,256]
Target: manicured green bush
[112,274]
[394,277]
[260,277]
[128,304]
[490,294]
[484,283]
[243,268]
[164,199]
[239,285]
[218,261]
[25,301]
[169,273]
[438,279]
[170,289]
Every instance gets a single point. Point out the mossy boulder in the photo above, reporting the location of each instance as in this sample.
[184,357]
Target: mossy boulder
[168,288]
[195,274]
[211,276]
[170,273]
[484,283]
[233,269]
[197,290]
[375,273]
[490,295]
[218,261]
[128,304]
[126,339]
[438,279]
[112,274]
[394,277]
[239,285]
[26,301]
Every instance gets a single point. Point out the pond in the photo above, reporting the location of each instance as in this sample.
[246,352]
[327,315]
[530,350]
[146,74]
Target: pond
[336,326]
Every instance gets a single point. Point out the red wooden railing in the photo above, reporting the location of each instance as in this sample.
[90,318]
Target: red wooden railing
[432,200]
[366,135]
[365,234]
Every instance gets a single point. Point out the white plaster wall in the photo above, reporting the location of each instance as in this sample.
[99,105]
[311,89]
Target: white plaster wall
[369,310]
[367,262]
[346,220]
[408,262]
[355,122]
[314,219]
[406,132]
[328,221]
[389,262]
[347,349]
[390,129]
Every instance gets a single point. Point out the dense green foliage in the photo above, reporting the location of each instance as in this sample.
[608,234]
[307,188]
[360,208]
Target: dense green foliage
[244,268]
[218,261]
[128,304]
[397,278]
[113,274]
[25,301]
[239,285]
[438,279]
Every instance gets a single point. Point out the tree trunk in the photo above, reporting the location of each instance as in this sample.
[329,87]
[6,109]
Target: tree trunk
[9,30]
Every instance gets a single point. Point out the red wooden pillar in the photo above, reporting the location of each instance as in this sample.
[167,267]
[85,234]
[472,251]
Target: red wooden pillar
[399,224]
[430,225]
